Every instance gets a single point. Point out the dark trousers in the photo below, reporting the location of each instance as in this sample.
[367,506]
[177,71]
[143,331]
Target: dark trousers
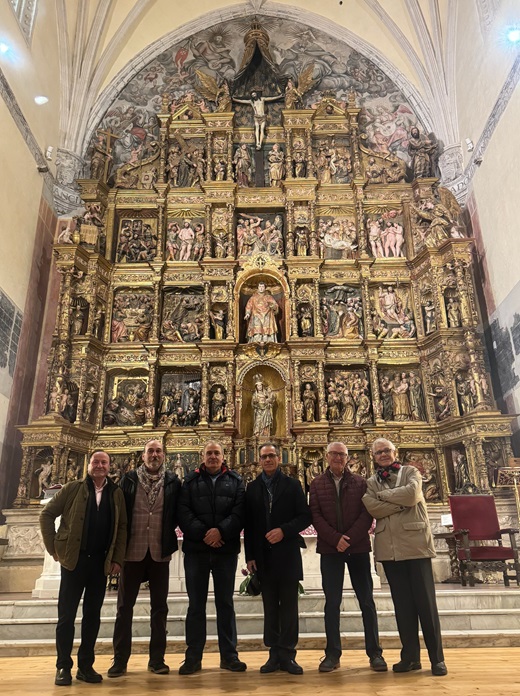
[88,576]
[157,573]
[197,568]
[413,594]
[280,598]
[332,576]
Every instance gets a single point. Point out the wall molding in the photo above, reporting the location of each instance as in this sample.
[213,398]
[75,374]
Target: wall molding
[24,128]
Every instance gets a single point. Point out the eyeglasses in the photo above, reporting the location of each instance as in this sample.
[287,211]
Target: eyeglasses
[268,456]
[335,453]
[387,450]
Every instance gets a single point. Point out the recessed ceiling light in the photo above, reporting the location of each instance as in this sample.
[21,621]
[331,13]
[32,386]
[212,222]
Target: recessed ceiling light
[4,48]
[41,100]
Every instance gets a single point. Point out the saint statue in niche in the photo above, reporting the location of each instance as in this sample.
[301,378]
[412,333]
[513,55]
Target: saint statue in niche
[262,402]
[260,314]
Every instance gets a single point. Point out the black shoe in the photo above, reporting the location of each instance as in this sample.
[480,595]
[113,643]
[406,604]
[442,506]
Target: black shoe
[291,666]
[328,664]
[118,669]
[63,677]
[272,665]
[403,666]
[159,668]
[89,675]
[233,665]
[190,667]
[439,669]
[378,664]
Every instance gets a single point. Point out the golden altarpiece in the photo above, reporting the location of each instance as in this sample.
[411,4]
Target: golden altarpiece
[263,274]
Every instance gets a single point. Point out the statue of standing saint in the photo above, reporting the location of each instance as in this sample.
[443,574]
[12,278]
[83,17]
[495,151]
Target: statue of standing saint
[262,401]
[261,311]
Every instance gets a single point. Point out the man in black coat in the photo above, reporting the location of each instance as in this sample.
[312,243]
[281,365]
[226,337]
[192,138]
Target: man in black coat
[211,517]
[151,498]
[276,513]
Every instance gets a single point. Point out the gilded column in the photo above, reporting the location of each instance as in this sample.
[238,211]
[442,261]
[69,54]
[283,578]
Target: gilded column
[108,316]
[231,394]
[377,407]
[207,231]
[314,248]
[290,230]
[317,313]
[229,173]
[209,157]
[204,394]
[101,400]
[294,318]
[321,392]
[207,308]
[230,326]
[154,332]
[365,292]
[443,471]
[152,388]
[81,390]
[310,160]
[230,233]
[297,393]
[288,155]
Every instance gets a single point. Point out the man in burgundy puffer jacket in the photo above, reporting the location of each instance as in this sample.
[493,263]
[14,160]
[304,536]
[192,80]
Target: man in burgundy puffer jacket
[342,524]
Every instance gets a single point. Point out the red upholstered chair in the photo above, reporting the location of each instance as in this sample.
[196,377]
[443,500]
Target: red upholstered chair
[475,520]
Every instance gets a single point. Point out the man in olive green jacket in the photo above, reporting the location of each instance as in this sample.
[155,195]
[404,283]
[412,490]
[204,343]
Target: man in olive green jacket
[89,544]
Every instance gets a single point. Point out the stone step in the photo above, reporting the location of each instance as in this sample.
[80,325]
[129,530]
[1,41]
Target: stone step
[350,641]
[29,625]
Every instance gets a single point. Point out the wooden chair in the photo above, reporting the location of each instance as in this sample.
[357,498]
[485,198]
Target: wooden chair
[475,519]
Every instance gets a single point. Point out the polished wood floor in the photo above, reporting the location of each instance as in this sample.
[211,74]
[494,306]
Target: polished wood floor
[472,672]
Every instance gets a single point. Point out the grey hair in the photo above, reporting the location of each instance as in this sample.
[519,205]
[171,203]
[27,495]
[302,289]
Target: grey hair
[380,440]
[337,442]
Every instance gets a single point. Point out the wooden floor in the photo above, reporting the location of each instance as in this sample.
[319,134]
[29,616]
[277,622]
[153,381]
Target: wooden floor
[472,672]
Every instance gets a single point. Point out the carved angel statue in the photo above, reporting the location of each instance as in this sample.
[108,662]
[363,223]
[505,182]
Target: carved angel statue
[215,92]
[293,98]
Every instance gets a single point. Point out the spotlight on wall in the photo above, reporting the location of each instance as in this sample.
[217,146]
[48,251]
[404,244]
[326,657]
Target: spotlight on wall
[513,35]
[41,100]
[478,160]
[48,153]
[4,48]
[469,145]
[42,168]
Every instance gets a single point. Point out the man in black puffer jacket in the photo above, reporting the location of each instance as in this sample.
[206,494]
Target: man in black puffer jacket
[211,517]
[151,498]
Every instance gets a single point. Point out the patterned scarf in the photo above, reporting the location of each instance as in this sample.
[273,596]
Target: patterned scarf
[152,483]
[383,473]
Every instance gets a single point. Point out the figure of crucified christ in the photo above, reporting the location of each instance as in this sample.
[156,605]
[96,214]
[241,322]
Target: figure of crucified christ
[257,102]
